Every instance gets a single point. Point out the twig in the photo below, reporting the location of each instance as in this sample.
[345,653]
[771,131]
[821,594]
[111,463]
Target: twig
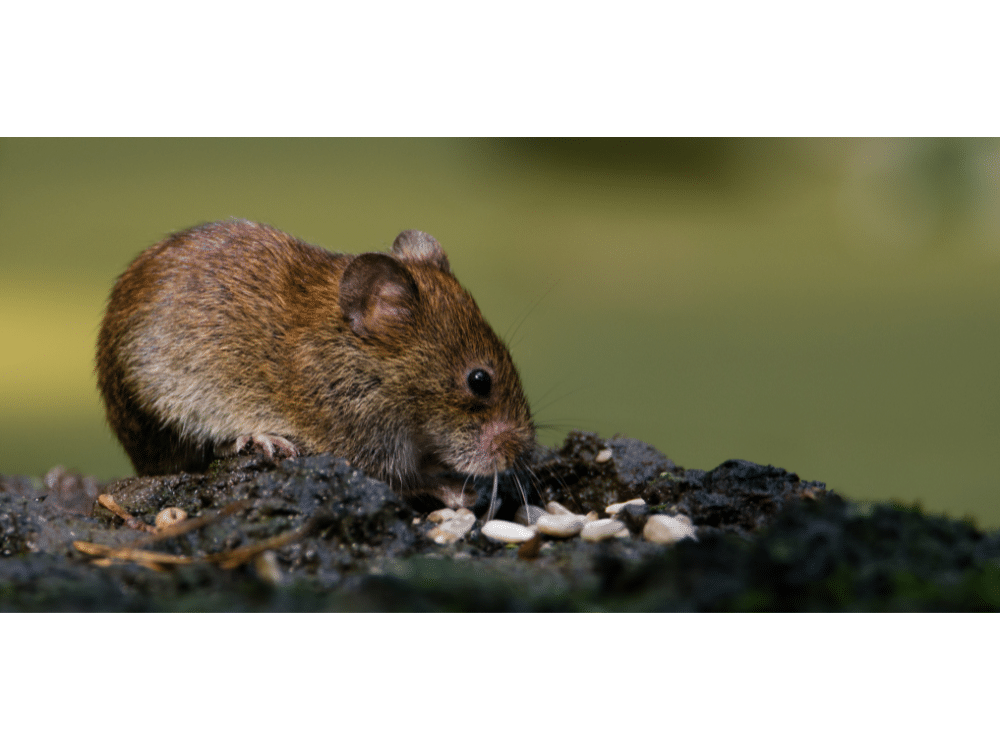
[157,560]
[130,521]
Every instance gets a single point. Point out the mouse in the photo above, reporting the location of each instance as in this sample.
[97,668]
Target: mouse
[235,337]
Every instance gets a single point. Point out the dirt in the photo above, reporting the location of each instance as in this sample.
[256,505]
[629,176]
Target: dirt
[314,533]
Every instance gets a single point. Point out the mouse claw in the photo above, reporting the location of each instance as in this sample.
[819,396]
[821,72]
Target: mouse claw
[269,445]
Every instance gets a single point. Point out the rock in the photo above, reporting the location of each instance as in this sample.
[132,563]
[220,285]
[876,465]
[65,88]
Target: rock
[561,525]
[637,463]
[736,495]
[668,529]
[606,528]
[507,532]
[19,486]
[634,517]
[71,490]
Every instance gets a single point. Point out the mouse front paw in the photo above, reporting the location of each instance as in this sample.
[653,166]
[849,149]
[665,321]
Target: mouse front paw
[269,445]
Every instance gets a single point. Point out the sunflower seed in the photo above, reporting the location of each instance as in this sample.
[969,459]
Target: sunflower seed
[668,529]
[615,507]
[453,528]
[442,514]
[563,526]
[604,528]
[527,515]
[507,531]
[558,509]
[170,516]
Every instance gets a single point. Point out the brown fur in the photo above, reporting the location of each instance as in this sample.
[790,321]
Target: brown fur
[236,329]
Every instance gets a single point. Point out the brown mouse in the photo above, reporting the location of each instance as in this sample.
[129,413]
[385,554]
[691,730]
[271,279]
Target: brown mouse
[234,334]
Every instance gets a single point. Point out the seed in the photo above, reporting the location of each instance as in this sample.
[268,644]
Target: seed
[561,525]
[170,516]
[527,515]
[605,528]
[615,507]
[507,531]
[442,514]
[558,509]
[604,455]
[266,566]
[454,527]
[663,529]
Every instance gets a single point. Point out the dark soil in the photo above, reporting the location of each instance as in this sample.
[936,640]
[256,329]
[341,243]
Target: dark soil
[767,541]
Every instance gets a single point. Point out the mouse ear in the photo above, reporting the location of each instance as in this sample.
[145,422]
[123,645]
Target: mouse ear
[376,293]
[420,247]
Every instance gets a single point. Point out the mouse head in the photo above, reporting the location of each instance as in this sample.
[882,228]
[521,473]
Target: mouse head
[457,395]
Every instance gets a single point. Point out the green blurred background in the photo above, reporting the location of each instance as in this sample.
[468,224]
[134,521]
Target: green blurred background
[827,306]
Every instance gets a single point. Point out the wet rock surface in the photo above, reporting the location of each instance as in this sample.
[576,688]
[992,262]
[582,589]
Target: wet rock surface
[314,534]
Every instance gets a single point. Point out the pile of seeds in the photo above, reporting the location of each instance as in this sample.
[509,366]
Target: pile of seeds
[559,522]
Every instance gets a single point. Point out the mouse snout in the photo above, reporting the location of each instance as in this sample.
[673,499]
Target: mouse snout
[499,444]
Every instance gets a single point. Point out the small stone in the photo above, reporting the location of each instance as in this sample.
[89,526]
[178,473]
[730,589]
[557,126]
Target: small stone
[604,528]
[454,527]
[561,525]
[615,507]
[558,509]
[662,529]
[527,515]
[170,516]
[507,532]
[442,514]
[604,455]
[592,516]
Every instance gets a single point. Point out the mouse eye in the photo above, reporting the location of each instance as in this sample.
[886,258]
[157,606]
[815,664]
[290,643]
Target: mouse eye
[480,383]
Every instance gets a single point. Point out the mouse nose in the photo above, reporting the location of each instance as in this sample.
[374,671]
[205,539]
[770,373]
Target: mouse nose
[501,442]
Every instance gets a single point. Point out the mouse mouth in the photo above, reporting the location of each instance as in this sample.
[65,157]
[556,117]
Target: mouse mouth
[494,447]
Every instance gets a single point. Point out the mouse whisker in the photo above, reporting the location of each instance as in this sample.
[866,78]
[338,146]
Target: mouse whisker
[524,496]
[540,485]
[494,499]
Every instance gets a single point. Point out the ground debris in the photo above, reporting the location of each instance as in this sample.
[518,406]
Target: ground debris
[313,533]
